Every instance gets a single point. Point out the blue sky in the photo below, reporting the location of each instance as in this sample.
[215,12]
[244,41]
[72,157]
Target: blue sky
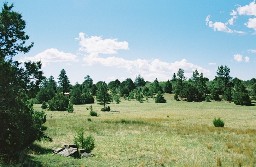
[111,39]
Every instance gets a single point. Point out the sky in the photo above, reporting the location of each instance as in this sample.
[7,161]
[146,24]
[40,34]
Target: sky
[113,39]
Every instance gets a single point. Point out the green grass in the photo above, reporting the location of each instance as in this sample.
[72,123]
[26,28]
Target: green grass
[150,134]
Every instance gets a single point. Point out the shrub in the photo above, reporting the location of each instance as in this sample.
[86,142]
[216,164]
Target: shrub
[218,122]
[176,97]
[70,108]
[208,99]
[84,143]
[93,113]
[116,98]
[241,98]
[89,144]
[58,103]
[106,109]
[44,105]
[160,98]
[87,99]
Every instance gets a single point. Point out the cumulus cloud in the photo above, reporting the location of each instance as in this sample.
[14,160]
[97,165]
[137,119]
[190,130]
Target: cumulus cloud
[96,48]
[241,58]
[238,58]
[251,23]
[247,59]
[50,56]
[149,69]
[95,45]
[247,10]
[220,26]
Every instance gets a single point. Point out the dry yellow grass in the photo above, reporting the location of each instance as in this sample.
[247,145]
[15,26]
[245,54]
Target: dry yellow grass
[149,134]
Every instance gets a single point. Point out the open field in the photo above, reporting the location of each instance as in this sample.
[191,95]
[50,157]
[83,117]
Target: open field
[150,134]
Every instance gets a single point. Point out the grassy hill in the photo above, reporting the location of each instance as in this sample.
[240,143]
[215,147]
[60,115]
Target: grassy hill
[150,134]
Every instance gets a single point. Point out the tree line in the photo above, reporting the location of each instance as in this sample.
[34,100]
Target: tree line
[198,88]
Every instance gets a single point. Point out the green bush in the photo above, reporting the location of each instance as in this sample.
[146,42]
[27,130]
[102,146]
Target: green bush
[44,105]
[59,103]
[89,144]
[160,98]
[70,108]
[116,98]
[208,99]
[218,122]
[84,143]
[176,97]
[93,113]
[241,98]
[106,109]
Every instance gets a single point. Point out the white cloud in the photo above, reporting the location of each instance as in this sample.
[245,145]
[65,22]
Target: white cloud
[241,58]
[251,23]
[249,10]
[220,26]
[50,56]
[232,20]
[238,58]
[149,69]
[212,64]
[247,59]
[253,51]
[95,45]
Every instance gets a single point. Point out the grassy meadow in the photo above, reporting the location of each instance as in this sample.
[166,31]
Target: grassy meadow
[150,134]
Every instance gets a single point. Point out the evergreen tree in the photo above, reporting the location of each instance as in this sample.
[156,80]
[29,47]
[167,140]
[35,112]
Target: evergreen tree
[64,82]
[139,95]
[102,95]
[88,82]
[223,82]
[20,124]
[179,82]
[174,78]
[80,97]
[114,85]
[58,103]
[168,87]
[139,81]
[93,90]
[254,91]
[155,87]
[240,94]
[198,82]
[47,90]
[87,85]
[126,87]
[76,94]
[160,98]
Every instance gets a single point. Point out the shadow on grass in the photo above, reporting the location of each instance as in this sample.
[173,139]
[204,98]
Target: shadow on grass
[132,122]
[124,121]
[35,149]
[27,159]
